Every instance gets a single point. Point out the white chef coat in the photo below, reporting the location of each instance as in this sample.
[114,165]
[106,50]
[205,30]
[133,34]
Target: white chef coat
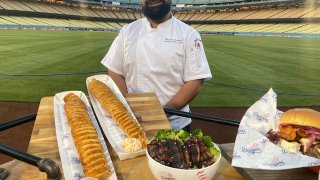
[158,60]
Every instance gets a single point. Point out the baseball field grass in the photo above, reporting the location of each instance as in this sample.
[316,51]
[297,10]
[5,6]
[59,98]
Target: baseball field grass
[35,63]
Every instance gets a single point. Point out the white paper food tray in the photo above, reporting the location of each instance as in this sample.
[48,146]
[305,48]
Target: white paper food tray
[254,150]
[113,132]
[70,160]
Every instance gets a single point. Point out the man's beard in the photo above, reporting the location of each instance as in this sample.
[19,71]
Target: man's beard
[158,13]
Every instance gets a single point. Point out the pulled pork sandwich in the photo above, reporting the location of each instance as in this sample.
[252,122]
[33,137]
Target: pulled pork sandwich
[298,131]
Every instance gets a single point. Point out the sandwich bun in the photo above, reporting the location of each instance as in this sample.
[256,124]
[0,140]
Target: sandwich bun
[301,117]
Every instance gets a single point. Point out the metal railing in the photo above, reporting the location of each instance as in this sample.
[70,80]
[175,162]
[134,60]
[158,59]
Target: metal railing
[46,165]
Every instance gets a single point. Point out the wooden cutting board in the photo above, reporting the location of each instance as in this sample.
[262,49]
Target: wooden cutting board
[43,141]
[146,107]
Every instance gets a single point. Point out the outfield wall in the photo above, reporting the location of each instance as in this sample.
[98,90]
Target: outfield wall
[33,27]
[296,35]
[279,35]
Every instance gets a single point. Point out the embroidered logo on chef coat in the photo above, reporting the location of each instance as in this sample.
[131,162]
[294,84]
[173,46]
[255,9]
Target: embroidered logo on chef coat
[197,43]
[178,41]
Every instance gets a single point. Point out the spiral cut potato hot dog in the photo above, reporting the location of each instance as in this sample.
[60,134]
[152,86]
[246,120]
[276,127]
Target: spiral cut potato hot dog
[111,104]
[85,138]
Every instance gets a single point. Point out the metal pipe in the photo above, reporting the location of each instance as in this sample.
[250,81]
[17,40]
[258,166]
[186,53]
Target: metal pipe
[3,173]
[22,156]
[215,119]
[51,168]
[46,165]
[17,122]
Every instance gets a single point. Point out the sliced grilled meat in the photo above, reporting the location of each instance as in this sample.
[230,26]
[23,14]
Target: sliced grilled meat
[194,151]
[174,151]
[186,157]
[171,152]
[206,156]
[158,151]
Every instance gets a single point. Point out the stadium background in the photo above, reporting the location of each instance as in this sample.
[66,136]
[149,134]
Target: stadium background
[240,17]
[283,19]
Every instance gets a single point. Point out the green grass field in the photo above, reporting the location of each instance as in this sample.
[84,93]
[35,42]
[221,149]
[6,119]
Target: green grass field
[289,65]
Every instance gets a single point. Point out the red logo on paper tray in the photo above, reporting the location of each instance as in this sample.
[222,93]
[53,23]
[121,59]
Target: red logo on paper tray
[201,175]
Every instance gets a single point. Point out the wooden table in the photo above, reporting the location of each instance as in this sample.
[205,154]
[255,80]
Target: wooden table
[147,109]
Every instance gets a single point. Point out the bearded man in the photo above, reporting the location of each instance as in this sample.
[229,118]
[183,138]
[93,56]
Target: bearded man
[160,54]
